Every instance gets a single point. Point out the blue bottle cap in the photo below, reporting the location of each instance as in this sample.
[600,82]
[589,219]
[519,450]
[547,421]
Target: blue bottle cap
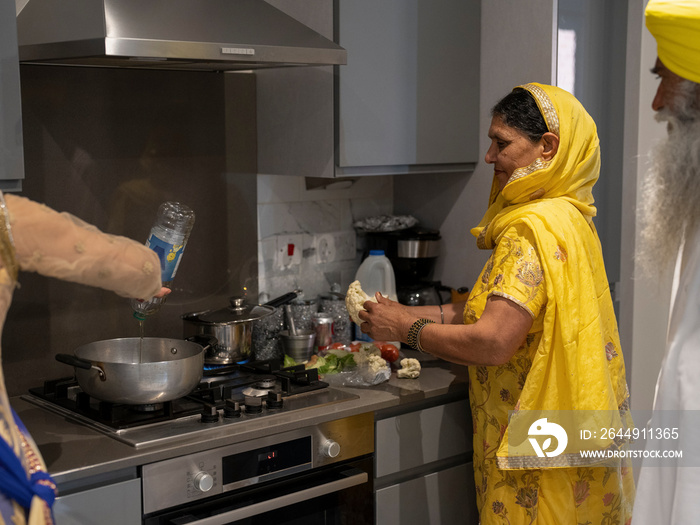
[376,252]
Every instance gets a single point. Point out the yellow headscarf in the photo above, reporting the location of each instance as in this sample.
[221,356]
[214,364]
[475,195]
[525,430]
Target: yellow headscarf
[675,24]
[578,365]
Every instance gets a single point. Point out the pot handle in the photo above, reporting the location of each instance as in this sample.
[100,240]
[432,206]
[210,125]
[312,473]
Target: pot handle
[283,299]
[77,362]
[207,341]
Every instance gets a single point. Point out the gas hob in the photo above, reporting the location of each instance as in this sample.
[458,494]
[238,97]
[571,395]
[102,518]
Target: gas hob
[225,396]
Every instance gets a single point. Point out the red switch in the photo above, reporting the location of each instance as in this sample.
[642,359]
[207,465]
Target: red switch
[290,250]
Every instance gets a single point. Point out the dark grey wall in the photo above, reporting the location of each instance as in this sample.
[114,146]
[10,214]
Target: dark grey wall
[109,145]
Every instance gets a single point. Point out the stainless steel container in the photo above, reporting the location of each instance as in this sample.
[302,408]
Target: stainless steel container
[231,326]
[137,371]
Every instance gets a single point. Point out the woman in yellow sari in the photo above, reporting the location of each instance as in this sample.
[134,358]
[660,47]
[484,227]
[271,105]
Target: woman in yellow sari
[538,328]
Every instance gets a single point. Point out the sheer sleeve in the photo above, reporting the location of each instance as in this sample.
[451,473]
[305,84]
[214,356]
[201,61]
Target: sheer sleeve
[61,245]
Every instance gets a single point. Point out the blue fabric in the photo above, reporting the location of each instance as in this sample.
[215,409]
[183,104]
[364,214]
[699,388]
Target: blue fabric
[13,479]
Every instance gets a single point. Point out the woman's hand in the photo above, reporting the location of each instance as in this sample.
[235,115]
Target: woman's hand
[385,320]
[163,292]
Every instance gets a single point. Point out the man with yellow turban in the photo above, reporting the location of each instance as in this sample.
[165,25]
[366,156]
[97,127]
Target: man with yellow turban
[668,492]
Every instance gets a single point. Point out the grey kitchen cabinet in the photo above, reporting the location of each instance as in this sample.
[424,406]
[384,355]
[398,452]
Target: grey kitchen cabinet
[408,99]
[11,150]
[114,504]
[423,465]
[406,102]
[295,105]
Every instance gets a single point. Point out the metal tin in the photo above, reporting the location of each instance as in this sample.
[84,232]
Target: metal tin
[323,326]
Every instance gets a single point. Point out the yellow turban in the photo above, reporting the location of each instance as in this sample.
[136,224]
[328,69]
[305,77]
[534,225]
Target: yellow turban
[675,24]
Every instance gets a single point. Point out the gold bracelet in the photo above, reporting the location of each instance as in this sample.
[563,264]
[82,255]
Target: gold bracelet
[413,338]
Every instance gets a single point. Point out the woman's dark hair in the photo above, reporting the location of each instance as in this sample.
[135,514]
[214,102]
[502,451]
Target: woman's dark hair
[518,109]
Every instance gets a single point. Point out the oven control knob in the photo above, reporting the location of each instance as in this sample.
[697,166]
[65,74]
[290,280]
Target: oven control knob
[203,481]
[330,448]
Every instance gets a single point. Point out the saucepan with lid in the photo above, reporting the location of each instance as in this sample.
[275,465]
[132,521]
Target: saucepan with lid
[232,326]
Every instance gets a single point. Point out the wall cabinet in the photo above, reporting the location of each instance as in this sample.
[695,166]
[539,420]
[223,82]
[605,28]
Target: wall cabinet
[407,101]
[408,98]
[11,151]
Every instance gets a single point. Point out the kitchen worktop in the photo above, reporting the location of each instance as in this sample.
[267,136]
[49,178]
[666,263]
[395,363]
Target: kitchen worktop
[74,452]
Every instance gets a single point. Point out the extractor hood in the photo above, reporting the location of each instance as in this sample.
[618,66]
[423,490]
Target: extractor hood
[217,35]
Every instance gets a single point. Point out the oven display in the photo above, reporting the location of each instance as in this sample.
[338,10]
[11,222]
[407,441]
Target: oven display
[266,460]
[268,456]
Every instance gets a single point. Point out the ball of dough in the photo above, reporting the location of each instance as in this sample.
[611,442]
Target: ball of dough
[354,300]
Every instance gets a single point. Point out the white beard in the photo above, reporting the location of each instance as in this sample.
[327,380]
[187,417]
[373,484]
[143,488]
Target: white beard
[671,189]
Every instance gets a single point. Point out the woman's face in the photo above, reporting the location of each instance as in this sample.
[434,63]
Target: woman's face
[510,149]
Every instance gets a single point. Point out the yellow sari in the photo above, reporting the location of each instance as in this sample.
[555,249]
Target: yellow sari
[547,258]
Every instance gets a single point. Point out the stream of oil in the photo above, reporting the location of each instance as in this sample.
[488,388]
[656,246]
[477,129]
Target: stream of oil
[142,323]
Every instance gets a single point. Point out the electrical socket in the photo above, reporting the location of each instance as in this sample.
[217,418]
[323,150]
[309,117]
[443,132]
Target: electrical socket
[289,251]
[325,248]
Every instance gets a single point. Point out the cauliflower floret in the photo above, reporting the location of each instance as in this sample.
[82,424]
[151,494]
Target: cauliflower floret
[373,369]
[376,363]
[366,350]
[410,368]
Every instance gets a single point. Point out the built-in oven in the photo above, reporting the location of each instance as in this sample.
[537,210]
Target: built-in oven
[314,475]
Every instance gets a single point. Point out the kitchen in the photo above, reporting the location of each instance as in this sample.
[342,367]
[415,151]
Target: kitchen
[86,174]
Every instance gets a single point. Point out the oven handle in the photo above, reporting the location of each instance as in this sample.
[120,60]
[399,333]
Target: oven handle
[355,477]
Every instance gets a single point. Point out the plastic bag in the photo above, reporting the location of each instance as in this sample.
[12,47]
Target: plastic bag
[360,375]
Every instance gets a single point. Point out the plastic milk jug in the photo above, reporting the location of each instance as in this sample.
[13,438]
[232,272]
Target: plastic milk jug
[376,275]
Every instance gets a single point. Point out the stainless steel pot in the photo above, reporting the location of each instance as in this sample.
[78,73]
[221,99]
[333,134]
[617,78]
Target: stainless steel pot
[137,371]
[231,326]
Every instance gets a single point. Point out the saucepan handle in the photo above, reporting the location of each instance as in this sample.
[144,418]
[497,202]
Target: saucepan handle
[77,362]
[283,299]
[207,341]
[72,360]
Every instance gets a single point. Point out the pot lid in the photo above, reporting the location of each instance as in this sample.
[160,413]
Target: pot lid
[237,312]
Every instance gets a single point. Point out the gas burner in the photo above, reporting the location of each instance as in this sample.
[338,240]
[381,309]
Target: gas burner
[218,370]
[251,391]
[267,383]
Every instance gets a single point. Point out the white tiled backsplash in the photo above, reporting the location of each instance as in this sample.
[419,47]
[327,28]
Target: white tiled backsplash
[305,237]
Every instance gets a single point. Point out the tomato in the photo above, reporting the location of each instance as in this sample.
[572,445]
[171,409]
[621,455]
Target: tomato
[338,345]
[389,352]
[355,347]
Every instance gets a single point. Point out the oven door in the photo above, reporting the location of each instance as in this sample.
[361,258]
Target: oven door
[322,496]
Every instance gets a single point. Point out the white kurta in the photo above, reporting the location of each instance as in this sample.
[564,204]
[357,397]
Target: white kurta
[665,494]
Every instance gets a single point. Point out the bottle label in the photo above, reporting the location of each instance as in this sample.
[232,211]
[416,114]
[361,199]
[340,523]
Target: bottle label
[169,255]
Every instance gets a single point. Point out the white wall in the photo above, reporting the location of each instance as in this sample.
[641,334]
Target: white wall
[287,210]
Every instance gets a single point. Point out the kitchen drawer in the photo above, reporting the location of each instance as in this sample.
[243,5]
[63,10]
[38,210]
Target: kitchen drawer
[444,497]
[417,438]
[115,504]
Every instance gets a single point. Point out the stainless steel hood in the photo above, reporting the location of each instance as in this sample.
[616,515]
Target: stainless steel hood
[217,35]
